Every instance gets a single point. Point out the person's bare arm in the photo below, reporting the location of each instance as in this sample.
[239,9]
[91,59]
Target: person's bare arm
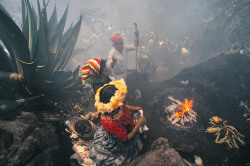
[133,109]
[142,120]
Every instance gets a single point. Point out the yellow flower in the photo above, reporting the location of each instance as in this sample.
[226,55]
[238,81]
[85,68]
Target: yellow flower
[115,105]
[116,101]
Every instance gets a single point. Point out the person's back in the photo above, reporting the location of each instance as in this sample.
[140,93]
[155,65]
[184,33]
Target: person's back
[116,141]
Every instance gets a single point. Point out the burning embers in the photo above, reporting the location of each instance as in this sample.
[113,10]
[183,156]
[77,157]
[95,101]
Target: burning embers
[180,112]
[225,133]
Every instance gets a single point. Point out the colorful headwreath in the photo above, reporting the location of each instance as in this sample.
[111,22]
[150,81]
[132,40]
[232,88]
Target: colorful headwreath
[115,101]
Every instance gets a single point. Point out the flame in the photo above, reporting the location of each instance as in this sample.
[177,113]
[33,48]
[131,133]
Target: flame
[184,108]
[227,132]
[218,119]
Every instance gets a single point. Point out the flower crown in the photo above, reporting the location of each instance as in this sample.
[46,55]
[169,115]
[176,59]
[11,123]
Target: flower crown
[115,101]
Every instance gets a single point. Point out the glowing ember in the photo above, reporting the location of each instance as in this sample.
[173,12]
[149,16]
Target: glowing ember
[181,112]
[218,120]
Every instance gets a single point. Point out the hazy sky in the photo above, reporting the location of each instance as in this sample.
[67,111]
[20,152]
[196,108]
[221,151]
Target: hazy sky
[169,17]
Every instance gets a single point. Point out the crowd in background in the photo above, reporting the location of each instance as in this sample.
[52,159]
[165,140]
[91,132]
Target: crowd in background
[169,54]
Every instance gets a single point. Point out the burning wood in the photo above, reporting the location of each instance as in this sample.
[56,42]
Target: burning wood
[181,112]
[225,133]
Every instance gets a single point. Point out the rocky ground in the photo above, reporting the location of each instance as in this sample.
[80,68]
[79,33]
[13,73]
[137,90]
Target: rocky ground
[216,87]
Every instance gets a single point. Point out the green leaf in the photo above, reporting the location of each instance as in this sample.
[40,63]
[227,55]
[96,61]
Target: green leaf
[45,20]
[52,25]
[25,22]
[14,41]
[59,31]
[9,106]
[68,79]
[42,38]
[67,47]
[5,61]
[56,34]
[34,13]
[32,28]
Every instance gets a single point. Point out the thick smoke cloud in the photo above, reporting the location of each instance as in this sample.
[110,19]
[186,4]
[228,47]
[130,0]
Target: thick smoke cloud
[171,21]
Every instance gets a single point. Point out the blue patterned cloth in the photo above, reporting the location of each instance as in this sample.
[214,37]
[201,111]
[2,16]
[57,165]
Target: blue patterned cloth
[105,150]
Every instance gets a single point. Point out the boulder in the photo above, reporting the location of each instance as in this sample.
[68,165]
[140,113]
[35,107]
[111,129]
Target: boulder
[159,154]
[28,141]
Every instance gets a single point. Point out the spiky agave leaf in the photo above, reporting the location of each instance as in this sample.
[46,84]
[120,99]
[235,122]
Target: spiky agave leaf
[9,106]
[59,32]
[14,41]
[5,61]
[56,32]
[29,28]
[52,24]
[25,23]
[42,37]
[67,46]
[72,81]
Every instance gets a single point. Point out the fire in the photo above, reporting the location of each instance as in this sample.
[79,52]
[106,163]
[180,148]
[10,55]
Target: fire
[180,112]
[183,108]
[218,119]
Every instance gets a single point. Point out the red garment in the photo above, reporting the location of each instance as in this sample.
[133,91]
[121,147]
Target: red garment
[118,124]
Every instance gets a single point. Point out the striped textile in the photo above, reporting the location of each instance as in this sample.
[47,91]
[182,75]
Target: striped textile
[90,68]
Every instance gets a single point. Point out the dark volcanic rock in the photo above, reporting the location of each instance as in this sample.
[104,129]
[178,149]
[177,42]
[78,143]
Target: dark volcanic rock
[27,141]
[160,154]
[216,87]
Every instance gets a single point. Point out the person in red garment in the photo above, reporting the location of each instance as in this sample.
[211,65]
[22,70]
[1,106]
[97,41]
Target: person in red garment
[116,141]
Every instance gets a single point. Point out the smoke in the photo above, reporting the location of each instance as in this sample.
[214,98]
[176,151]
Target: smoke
[172,21]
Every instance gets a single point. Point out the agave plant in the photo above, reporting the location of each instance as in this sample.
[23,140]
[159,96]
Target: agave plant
[40,51]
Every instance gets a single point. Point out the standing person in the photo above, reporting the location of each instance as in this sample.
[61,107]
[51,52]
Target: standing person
[95,72]
[118,57]
[116,141]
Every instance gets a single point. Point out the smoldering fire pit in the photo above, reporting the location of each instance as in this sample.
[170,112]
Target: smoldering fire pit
[180,113]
